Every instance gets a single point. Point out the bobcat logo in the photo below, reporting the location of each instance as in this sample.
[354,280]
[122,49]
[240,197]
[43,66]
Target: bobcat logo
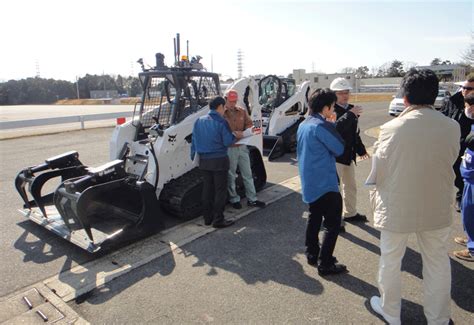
[172,138]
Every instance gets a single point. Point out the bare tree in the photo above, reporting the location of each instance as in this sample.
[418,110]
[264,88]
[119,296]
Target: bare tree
[468,55]
[374,70]
[348,70]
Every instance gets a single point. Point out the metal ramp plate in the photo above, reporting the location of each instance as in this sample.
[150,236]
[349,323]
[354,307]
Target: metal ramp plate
[102,230]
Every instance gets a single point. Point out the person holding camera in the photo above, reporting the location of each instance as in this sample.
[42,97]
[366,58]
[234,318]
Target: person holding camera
[318,145]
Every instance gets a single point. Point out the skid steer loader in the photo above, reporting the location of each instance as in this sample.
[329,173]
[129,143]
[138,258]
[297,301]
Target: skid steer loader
[283,105]
[150,167]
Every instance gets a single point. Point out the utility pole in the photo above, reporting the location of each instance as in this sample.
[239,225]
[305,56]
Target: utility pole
[77,87]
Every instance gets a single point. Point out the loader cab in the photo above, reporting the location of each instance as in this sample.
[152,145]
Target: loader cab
[274,91]
[289,88]
[172,94]
[269,93]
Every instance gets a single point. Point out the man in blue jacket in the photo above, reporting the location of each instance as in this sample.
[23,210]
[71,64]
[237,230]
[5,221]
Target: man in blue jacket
[211,138]
[318,146]
[467,202]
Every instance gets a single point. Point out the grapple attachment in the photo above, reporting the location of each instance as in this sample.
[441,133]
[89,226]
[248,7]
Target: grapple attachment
[101,204]
[66,165]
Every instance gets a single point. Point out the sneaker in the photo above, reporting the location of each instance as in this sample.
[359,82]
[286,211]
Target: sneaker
[258,204]
[355,218]
[377,308]
[461,240]
[237,205]
[331,269]
[464,255]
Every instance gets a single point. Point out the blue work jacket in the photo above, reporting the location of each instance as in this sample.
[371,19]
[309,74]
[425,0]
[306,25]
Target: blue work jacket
[211,136]
[318,146]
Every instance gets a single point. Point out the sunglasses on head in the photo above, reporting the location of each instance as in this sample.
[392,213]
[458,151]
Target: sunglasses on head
[467,88]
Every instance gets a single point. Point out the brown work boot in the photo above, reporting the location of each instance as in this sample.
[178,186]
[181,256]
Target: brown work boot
[464,255]
[461,240]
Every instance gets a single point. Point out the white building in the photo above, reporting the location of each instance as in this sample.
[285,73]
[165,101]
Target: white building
[322,80]
[448,72]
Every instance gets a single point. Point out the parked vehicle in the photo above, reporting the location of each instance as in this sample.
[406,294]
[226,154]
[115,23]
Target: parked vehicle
[397,106]
[442,99]
[283,104]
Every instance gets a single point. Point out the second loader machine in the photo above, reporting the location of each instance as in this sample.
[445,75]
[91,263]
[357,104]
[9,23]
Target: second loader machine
[283,106]
[150,167]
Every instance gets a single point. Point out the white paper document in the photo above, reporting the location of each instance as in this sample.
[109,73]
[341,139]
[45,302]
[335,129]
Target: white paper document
[248,135]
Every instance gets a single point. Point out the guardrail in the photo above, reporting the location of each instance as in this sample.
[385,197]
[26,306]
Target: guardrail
[62,120]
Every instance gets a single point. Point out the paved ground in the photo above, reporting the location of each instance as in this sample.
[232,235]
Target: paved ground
[253,272]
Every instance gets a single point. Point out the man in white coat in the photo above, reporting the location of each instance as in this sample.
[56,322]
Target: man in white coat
[413,194]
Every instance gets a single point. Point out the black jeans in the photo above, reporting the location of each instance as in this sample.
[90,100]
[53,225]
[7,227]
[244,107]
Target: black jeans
[458,181]
[214,194]
[328,208]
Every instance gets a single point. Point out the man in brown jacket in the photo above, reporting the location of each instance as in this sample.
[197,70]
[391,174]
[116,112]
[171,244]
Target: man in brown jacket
[413,194]
[239,120]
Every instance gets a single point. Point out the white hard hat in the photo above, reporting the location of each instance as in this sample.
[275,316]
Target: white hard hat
[340,84]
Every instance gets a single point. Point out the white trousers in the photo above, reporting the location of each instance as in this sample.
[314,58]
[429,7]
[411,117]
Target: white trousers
[348,189]
[433,247]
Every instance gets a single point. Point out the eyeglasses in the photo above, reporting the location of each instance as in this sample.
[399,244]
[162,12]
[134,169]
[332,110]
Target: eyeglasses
[467,88]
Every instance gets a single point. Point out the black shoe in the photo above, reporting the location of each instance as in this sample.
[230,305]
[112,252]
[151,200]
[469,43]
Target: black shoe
[333,260]
[223,224]
[312,259]
[207,221]
[258,204]
[457,206]
[342,229]
[332,269]
[356,218]
[237,205]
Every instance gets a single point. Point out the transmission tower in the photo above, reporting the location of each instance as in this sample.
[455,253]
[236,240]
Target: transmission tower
[240,67]
[37,69]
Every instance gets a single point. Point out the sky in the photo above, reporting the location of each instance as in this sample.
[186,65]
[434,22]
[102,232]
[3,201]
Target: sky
[65,39]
